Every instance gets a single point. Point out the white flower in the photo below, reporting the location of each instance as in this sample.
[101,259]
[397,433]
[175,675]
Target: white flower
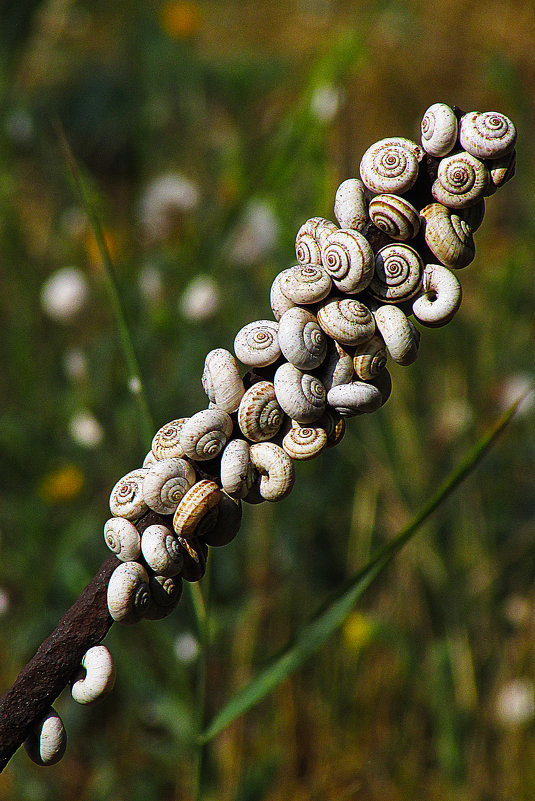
[64,294]
[256,235]
[165,197]
[325,102]
[186,648]
[85,429]
[200,299]
[515,703]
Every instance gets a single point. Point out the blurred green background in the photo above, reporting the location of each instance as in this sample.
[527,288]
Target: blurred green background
[209,132]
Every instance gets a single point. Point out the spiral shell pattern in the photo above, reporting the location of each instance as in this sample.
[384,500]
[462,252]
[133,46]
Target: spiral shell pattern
[439,129]
[308,239]
[448,235]
[489,135]
[395,216]
[123,538]
[301,339]
[166,441]
[301,395]
[461,180]
[398,273]
[260,415]
[166,483]
[346,320]
[304,442]
[369,359]
[205,434]
[165,593]
[195,504]
[348,258]
[441,296]
[391,165]
[305,283]
[161,550]
[257,343]
[126,499]
[355,398]
[128,593]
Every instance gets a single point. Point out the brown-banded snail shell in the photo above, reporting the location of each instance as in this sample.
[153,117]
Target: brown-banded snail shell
[304,442]
[165,592]
[128,593]
[47,740]
[358,397]
[222,523]
[237,472]
[123,538]
[166,441]
[195,504]
[205,434]
[369,359]
[166,483]
[439,129]
[257,344]
[400,336]
[398,273]
[161,550]
[391,165]
[448,235]
[222,381]
[305,283]
[278,301]
[96,678]
[441,296]
[487,135]
[301,395]
[277,474]
[301,340]
[395,216]
[461,180]
[260,415]
[337,367]
[346,320]
[348,258]
[350,207]
[126,499]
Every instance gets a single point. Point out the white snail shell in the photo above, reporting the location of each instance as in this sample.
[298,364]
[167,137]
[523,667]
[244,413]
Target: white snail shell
[301,395]
[257,344]
[205,434]
[97,677]
[448,235]
[304,442]
[394,216]
[369,359]
[277,474]
[400,336]
[301,340]
[166,441]
[346,320]
[166,483]
[128,593]
[441,296]
[278,301]
[398,273]
[350,204]
[126,499]
[358,397]
[502,169]
[309,239]
[461,180]
[195,504]
[47,741]
[222,381]
[391,165]
[348,258]
[165,592]
[337,367]
[123,538]
[149,459]
[260,415]
[487,135]
[237,472]
[305,283]
[439,129]
[161,550]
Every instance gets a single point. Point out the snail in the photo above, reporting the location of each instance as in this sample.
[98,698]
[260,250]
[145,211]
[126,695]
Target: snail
[301,339]
[128,593]
[441,296]
[461,180]
[304,442]
[346,320]
[96,677]
[221,380]
[166,441]
[391,165]
[358,397]
[278,301]
[161,550]
[127,499]
[398,273]
[334,426]
[489,135]
[123,538]
[257,344]
[204,435]
[399,334]
[301,395]
[337,367]
[369,359]
[47,740]
[195,553]
[165,593]
[348,258]
[439,129]
[195,504]
[237,471]
[276,470]
[350,207]
[395,216]
[260,415]
[165,484]
[222,523]
[309,238]
[305,283]
[448,235]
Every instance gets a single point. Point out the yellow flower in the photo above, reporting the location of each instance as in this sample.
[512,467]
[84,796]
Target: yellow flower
[180,20]
[62,484]
[358,631]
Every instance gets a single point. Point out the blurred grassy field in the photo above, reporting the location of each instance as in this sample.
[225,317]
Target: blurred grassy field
[209,132]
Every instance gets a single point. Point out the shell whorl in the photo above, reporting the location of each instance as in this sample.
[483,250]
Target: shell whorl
[350,206]
[305,283]
[301,395]
[128,593]
[123,538]
[346,320]
[487,135]
[260,415]
[127,499]
[97,676]
[166,483]
[166,441]
[398,273]
[304,442]
[205,434]
[277,474]
[161,550]
[461,180]
[257,344]
[195,504]
[439,129]
[222,381]
[348,258]
[395,216]
[301,339]
[391,165]
[448,235]
[47,740]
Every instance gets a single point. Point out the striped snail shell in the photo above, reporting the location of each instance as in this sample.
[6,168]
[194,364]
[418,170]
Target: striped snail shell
[166,441]
[96,678]
[358,397]
[123,538]
[165,593]
[166,483]
[196,503]
[307,242]
[301,395]
[278,301]
[441,296]
[222,381]
[260,415]
[304,442]
[348,258]
[461,180]
[222,523]
[47,740]
[195,554]
[305,283]
[128,593]
[161,550]
[439,129]
[237,472]
[391,165]
[400,336]
[301,339]
[487,135]
[395,216]
[205,434]
[337,367]
[350,207]
[334,426]
[370,358]
[126,499]
[346,320]
[448,235]
[398,273]
[277,474]
[257,344]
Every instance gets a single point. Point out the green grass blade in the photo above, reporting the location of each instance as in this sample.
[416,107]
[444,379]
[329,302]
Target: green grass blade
[314,634]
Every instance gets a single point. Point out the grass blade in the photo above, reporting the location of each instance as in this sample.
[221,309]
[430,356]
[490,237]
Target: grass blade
[314,634]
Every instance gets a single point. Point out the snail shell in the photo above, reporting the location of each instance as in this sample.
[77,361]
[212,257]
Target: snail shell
[448,235]
[221,380]
[309,238]
[195,554]
[165,593]
[97,677]
[400,336]
[161,550]
[473,215]
[337,367]
[222,523]
[278,301]
[195,504]
[301,339]
[348,258]
[334,426]
[257,344]
[166,483]
[277,474]
[47,740]
[166,441]
[461,180]
[260,415]
[370,358]
[305,283]
[123,538]
[350,205]
[126,499]
[128,593]
[383,382]
[441,296]
[237,472]
[439,129]
[395,216]
[355,398]
[301,395]
[205,434]
[304,442]
[487,135]
[398,273]
[346,320]
[149,459]
[391,165]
